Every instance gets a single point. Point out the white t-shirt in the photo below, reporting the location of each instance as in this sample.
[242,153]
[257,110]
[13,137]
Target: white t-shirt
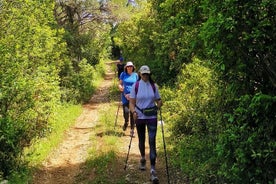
[145,97]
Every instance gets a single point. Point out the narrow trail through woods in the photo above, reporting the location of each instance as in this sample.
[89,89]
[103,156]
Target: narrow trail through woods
[64,164]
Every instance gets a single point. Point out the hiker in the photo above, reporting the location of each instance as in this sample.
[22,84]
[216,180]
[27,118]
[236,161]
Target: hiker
[132,3]
[127,79]
[144,102]
[120,66]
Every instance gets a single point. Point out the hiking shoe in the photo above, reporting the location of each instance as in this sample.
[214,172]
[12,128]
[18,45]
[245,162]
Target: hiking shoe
[142,164]
[154,179]
[125,127]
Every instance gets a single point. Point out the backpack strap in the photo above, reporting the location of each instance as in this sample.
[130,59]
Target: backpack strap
[137,86]
[153,87]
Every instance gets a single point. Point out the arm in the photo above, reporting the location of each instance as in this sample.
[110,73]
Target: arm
[132,102]
[158,100]
[121,87]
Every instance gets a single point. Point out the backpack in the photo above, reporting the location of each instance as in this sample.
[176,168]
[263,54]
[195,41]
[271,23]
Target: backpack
[137,86]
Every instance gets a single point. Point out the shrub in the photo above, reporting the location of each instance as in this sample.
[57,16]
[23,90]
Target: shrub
[247,147]
[195,123]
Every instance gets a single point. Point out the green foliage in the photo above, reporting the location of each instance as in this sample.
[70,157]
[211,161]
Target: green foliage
[88,43]
[247,148]
[196,89]
[240,35]
[237,36]
[177,40]
[30,59]
[10,145]
[163,38]
[78,86]
[86,30]
[191,110]
[197,158]
[134,37]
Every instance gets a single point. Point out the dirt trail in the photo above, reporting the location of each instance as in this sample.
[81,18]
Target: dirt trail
[64,164]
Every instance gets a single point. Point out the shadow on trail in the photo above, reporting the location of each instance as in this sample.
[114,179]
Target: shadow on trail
[111,133]
[57,175]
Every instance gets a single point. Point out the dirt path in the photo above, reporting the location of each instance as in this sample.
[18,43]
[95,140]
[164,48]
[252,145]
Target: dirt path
[64,164]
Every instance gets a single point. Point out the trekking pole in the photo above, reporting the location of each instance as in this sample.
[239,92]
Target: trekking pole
[115,124]
[166,158]
[128,152]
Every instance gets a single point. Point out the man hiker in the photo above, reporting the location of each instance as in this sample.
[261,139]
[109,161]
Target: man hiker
[120,67]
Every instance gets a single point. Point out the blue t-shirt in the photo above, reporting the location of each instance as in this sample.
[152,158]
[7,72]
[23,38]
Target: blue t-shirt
[128,81]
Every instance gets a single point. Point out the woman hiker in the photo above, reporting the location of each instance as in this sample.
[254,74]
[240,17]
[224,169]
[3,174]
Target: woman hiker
[127,79]
[144,102]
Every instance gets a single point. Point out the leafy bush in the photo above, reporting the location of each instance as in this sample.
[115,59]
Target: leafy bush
[196,89]
[195,123]
[30,59]
[77,86]
[247,148]
[213,147]
[10,145]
